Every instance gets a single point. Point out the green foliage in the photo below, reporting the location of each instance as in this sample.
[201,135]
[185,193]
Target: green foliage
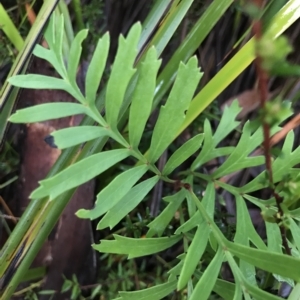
[198,231]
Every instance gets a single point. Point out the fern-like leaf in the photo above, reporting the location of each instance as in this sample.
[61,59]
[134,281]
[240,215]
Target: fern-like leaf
[172,114]
[121,74]
[79,173]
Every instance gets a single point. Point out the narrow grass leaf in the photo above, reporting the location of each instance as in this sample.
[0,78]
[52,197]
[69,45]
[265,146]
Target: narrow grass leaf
[153,293]
[207,281]
[96,68]
[10,30]
[286,266]
[127,203]
[113,193]
[121,74]
[72,136]
[160,223]
[136,247]
[47,111]
[74,55]
[73,175]
[142,97]
[172,114]
[182,154]
[194,254]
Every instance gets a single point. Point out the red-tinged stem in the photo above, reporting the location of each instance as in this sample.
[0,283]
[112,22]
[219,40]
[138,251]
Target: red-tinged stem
[263,79]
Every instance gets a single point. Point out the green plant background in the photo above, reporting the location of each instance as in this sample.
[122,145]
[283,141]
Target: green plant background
[134,89]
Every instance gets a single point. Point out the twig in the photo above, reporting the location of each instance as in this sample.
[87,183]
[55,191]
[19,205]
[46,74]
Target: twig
[263,93]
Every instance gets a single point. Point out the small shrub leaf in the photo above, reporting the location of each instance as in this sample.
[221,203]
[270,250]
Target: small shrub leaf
[194,253]
[160,223]
[127,203]
[113,192]
[47,111]
[34,81]
[72,136]
[74,175]
[172,114]
[207,281]
[281,166]
[74,55]
[282,265]
[121,74]
[182,154]
[142,97]
[136,247]
[239,159]
[153,293]
[96,68]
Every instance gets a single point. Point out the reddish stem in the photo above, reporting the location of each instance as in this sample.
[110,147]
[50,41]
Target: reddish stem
[263,79]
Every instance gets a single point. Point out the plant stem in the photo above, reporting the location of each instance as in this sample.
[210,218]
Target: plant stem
[263,78]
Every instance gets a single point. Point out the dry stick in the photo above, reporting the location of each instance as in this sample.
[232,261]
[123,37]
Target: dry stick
[263,93]
[10,215]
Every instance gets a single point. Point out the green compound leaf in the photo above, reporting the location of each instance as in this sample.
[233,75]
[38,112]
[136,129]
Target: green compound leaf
[154,293]
[208,279]
[182,154]
[49,55]
[209,151]
[136,247]
[72,136]
[74,55]
[227,125]
[121,74]
[281,166]
[258,293]
[34,81]
[199,242]
[276,263]
[73,175]
[194,254]
[127,203]
[113,193]
[160,223]
[41,82]
[208,203]
[54,36]
[96,68]
[47,111]
[273,237]
[142,97]
[227,122]
[244,227]
[172,114]
[295,230]
[239,159]
[245,230]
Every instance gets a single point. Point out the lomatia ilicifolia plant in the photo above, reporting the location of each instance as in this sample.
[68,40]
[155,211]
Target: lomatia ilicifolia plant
[246,253]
